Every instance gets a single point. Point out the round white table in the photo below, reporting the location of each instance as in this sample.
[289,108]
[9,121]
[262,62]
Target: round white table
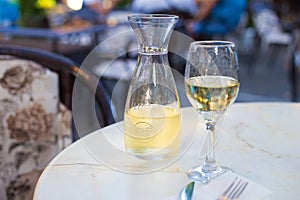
[260,141]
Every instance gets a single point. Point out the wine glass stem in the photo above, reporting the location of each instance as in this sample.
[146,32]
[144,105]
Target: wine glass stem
[210,162]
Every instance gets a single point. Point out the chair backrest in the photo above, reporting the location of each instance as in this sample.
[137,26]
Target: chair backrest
[67,70]
[34,86]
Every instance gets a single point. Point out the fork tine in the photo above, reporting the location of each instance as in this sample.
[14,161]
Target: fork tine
[237,190]
[241,191]
[234,189]
[224,194]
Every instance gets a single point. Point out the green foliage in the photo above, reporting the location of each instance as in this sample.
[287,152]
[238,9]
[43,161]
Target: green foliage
[33,12]
[124,4]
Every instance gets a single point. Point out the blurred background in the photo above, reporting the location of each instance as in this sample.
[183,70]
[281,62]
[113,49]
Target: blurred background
[266,33]
[95,36]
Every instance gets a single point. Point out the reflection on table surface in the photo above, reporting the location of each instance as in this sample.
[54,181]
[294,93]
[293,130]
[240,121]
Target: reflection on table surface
[259,141]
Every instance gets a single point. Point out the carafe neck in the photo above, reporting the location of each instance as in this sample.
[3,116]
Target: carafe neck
[153,32]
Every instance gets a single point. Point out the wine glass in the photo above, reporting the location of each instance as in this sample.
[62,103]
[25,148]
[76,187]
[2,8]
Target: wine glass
[211,85]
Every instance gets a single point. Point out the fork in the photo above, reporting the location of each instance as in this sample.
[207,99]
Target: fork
[234,190]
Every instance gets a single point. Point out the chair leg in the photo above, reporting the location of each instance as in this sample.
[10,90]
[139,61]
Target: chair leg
[294,82]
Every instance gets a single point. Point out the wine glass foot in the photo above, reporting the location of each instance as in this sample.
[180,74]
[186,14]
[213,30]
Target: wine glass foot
[201,174]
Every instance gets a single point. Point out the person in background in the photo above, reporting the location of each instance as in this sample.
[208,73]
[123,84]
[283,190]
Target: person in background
[102,7]
[2,191]
[215,17]
[9,13]
[183,8]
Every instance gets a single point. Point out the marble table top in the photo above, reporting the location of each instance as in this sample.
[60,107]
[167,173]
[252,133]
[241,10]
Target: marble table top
[259,141]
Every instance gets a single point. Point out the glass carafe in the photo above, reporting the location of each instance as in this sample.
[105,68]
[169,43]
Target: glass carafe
[152,118]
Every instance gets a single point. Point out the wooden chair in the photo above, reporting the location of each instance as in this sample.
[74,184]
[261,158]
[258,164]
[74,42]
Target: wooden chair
[36,89]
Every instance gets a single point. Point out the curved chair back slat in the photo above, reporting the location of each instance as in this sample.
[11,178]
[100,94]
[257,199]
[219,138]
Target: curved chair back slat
[68,71]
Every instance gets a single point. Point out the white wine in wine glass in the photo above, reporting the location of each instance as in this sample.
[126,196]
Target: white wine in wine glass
[211,85]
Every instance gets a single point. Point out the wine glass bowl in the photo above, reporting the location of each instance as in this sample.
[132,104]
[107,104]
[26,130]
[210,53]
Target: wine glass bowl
[211,85]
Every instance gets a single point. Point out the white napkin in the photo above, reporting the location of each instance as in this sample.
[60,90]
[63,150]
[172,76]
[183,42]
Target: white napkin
[212,190]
